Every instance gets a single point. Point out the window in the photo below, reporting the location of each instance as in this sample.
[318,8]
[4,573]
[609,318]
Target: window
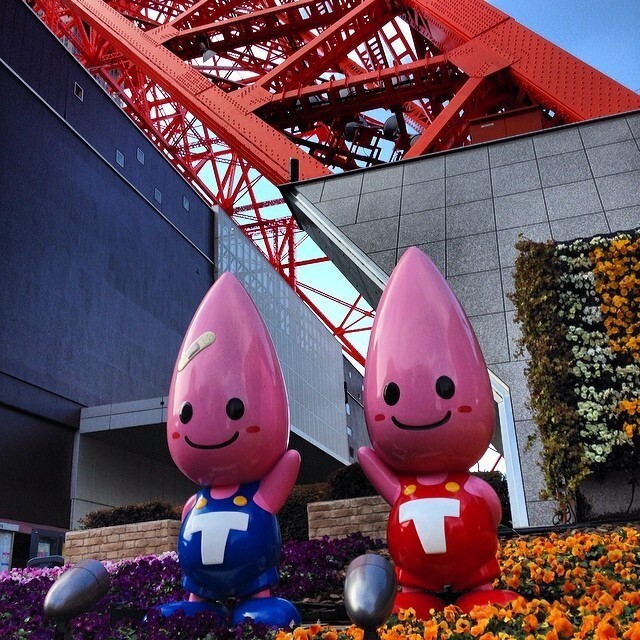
[120,157]
[140,155]
[157,195]
[78,92]
[185,203]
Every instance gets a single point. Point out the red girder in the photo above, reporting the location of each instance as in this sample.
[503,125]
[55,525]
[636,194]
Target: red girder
[413,111]
[271,23]
[282,77]
[553,77]
[144,11]
[436,135]
[332,45]
[434,77]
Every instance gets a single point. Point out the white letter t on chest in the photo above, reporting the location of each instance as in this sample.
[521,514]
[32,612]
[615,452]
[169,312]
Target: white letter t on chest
[215,528]
[428,516]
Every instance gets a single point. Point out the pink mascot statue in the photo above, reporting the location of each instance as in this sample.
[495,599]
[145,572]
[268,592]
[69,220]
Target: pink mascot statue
[228,431]
[430,415]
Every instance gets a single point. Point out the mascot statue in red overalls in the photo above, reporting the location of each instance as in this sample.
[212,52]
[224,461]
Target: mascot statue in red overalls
[430,415]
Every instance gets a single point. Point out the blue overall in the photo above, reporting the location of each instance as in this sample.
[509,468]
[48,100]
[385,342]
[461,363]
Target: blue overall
[229,547]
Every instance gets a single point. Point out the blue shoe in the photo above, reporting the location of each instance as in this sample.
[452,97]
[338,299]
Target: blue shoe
[191,608]
[274,612]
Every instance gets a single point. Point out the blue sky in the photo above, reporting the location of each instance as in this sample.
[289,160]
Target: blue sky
[604,34]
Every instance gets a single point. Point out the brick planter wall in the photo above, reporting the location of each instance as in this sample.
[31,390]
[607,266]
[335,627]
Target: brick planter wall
[122,541]
[334,519]
[341,517]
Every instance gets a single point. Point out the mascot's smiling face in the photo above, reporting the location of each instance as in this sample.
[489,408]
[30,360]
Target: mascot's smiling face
[228,417]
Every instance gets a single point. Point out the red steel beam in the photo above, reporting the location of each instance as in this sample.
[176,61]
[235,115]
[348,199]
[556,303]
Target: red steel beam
[329,47]
[447,118]
[435,77]
[227,116]
[553,77]
[262,25]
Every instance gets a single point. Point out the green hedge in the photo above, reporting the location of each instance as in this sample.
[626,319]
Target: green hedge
[498,482]
[130,514]
[349,482]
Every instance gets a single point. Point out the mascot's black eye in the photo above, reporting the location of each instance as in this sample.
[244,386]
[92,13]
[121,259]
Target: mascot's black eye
[445,387]
[186,412]
[391,394]
[235,408]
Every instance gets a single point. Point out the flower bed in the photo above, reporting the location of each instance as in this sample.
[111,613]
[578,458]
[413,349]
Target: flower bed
[576,585]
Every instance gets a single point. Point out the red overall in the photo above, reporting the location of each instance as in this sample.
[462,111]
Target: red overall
[442,537]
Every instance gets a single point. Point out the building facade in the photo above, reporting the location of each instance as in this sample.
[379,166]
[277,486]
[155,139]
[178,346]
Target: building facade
[107,252]
[466,209]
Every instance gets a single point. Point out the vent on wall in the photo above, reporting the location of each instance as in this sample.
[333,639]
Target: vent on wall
[78,92]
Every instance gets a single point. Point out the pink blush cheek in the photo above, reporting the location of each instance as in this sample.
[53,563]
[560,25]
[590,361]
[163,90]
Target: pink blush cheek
[175,435]
[379,417]
[465,409]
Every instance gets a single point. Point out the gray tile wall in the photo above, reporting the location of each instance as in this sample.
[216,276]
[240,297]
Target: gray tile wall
[466,209]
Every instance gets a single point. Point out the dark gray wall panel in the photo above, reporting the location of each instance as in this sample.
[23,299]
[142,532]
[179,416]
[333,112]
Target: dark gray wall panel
[97,286]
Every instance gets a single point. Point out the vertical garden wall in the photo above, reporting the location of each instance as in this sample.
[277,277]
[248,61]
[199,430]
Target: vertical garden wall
[579,307]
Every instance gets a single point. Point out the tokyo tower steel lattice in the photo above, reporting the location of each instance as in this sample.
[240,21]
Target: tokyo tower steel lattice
[233,90]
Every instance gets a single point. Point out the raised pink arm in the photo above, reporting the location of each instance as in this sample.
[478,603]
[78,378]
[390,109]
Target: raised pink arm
[276,486]
[380,476]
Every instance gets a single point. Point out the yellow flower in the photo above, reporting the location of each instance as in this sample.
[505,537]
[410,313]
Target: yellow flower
[406,614]
[450,613]
[356,633]
[605,630]
[479,627]
[430,630]
[614,555]
[299,633]
[560,623]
